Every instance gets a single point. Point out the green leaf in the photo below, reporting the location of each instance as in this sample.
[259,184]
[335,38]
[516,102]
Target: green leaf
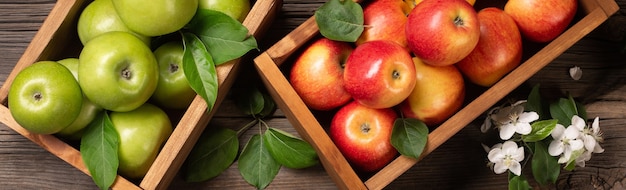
[288,150]
[540,130]
[340,20]
[214,152]
[546,168]
[225,38]
[518,183]
[250,100]
[571,163]
[409,136]
[535,103]
[582,112]
[563,110]
[99,149]
[256,165]
[199,69]
[269,106]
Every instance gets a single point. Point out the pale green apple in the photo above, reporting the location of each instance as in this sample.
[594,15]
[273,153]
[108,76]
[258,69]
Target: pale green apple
[155,17]
[237,9]
[142,132]
[44,98]
[117,71]
[100,17]
[173,90]
[88,112]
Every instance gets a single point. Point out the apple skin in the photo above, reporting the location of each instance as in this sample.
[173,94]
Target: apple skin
[541,20]
[100,17]
[117,71]
[44,98]
[471,2]
[363,135]
[88,111]
[173,90]
[379,74]
[141,132]
[439,93]
[442,32]
[155,17]
[499,49]
[317,75]
[237,9]
[385,20]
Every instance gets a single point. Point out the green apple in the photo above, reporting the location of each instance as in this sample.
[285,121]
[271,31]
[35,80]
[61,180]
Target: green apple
[237,9]
[142,132]
[117,71]
[155,17]
[44,98]
[88,112]
[173,90]
[100,17]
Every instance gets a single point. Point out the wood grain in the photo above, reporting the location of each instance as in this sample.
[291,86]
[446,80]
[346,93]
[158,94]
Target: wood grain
[459,163]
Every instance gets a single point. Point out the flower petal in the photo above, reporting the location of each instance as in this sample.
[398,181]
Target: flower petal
[507,131]
[558,131]
[516,168]
[555,148]
[495,155]
[589,142]
[523,128]
[578,122]
[576,144]
[528,117]
[499,168]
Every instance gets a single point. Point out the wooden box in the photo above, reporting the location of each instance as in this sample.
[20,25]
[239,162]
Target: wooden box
[274,63]
[57,39]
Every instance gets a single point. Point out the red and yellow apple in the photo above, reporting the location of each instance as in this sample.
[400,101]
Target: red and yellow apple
[379,74]
[499,49]
[317,75]
[471,2]
[385,20]
[442,32]
[541,20]
[438,94]
[363,135]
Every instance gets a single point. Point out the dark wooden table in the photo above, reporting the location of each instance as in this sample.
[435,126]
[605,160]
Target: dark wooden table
[460,163]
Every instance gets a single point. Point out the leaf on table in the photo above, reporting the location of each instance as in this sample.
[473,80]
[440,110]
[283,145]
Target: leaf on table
[535,103]
[256,165]
[546,168]
[288,150]
[340,20]
[225,38]
[540,130]
[99,149]
[409,136]
[199,69]
[214,152]
[563,110]
[518,183]
[250,101]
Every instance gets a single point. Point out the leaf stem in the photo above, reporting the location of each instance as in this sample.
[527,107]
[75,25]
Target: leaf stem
[247,126]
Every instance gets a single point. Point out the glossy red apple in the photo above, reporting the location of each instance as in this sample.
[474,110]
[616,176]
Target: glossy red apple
[317,75]
[438,94]
[379,74]
[499,49]
[541,20]
[385,20]
[442,32]
[363,136]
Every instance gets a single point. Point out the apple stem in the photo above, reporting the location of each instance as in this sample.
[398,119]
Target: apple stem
[37,96]
[458,21]
[126,73]
[247,126]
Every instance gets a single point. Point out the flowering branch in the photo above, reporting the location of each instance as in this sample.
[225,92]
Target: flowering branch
[560,137]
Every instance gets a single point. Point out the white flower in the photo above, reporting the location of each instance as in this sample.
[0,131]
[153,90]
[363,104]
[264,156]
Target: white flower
[576,73]
[515,121]
[565,142]
[506,157]
[591,135]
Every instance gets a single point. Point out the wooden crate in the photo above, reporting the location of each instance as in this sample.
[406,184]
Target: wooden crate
[271,65]
[57,39]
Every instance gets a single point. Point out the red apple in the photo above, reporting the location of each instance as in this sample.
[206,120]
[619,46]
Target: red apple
[379,74]
[438,94]
[541,20]
[385,20]
[442,32]
[317,75]
[363,136]
[499,49]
